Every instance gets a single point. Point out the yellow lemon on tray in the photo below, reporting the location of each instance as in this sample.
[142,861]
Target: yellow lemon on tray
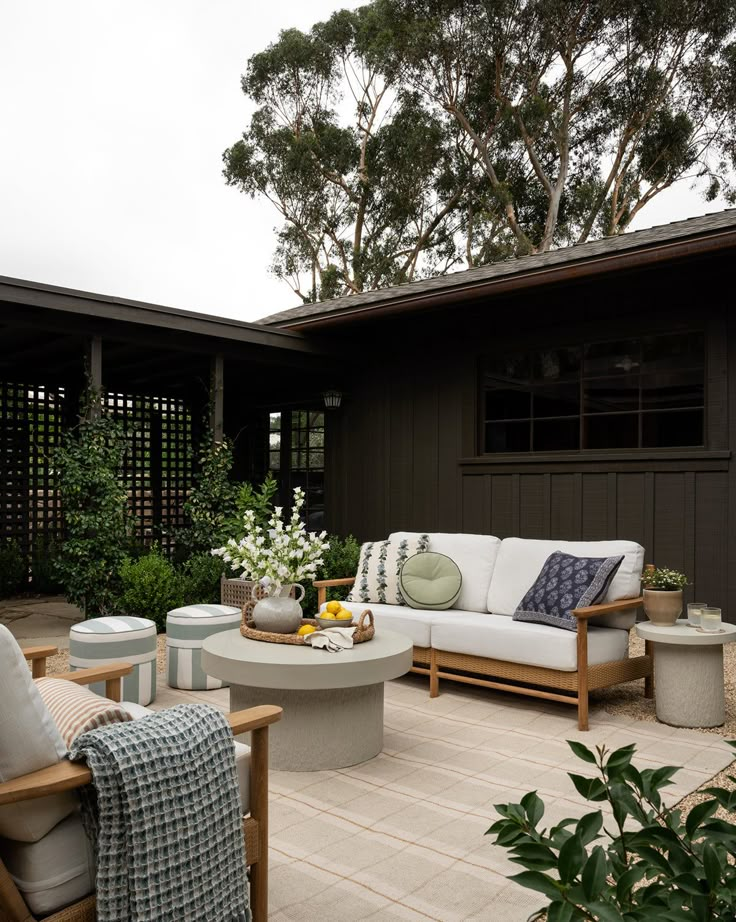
[306,629]
[344,615]
[333,608]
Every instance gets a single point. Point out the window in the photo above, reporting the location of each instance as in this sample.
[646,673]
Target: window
[296,456]
[647,392]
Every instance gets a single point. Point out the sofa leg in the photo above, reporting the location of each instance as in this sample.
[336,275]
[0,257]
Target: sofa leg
[434,680]
[649,680]
[582,675]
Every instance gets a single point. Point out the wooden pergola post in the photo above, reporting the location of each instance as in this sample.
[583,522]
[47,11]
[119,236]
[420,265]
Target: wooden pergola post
[94,364]
[217,394]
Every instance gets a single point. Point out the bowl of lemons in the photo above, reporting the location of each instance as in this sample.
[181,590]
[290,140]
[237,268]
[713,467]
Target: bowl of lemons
[335,616]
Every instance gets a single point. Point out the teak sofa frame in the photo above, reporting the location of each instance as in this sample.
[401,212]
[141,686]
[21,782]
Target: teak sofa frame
[535,681]
[67,776]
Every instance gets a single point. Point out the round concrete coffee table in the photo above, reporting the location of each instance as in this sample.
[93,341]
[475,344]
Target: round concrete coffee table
[333,702]
[688,673]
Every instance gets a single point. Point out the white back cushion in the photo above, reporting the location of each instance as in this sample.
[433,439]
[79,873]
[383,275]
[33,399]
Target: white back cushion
[29,741]
[520,560]
[475,556]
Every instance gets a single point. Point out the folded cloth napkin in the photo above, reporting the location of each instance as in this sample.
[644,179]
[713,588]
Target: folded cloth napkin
[334,639]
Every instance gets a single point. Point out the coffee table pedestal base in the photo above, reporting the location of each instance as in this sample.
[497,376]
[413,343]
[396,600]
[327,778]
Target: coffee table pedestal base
[689,685]
[320,728]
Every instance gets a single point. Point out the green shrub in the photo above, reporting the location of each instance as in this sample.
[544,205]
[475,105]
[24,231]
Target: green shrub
[200,579]
[13,569]
[340,560]
[648,863]
[44,577]
[149,587]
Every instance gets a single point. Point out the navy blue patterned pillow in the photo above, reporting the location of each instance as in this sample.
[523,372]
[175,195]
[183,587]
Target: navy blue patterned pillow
[565,583]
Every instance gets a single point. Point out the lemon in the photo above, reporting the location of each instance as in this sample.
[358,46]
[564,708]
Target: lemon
[344,615]
[306,629]
[329,615]
[333,607]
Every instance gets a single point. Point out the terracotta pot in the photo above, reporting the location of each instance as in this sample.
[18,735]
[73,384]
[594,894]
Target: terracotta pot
[663,606]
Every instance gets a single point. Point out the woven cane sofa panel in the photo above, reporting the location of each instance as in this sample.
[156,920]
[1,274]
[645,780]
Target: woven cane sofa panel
[520,561]
[55,871]
[29,740]
[413,623]
[475,556]
[498,637]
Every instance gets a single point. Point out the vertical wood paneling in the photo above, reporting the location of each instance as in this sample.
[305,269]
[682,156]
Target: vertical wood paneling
[502,518]
[711,571]
[425,440]
[630,514]
[449,402]
[401,451]
[476,511]
[669,507]
[533,512]
[595,507]
[563,524]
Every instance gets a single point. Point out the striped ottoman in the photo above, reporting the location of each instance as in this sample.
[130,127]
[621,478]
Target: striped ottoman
[113,640]
[186,628]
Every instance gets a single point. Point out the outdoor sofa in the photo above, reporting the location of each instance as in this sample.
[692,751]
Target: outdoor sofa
[47,871]
[478,642]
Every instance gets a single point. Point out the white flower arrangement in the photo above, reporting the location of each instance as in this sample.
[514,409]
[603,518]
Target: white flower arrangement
[286,553]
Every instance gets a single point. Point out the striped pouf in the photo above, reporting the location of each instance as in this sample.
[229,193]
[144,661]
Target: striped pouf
[186,628]
[114,640]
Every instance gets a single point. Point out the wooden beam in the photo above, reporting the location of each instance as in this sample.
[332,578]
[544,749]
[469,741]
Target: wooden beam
[217,395]
[94,369]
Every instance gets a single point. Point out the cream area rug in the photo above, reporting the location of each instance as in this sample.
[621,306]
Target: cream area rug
[401,837]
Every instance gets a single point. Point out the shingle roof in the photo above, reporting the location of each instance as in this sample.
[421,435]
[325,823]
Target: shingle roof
[593,249]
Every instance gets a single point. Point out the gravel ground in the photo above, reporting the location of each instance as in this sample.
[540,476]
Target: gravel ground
[624,699]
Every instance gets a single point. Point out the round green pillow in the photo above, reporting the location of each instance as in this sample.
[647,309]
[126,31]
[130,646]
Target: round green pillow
[430,580]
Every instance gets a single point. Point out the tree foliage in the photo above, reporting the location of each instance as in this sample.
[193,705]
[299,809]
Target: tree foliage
[406,136]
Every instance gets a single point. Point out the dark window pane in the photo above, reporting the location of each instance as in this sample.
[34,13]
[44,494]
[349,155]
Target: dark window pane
[317,438]
[606,395]
[506,369]
[274,460]
[557,434]
[672,430]
[274,420]
[557,400]
[615,431]
[316,419]
[508,436]
[274,440]
[670,352]
[612,358]
[675,389]
[316,459]
[508,404]
[557,364]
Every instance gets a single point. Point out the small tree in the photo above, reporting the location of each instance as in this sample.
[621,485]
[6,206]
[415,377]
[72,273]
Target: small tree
[89,466]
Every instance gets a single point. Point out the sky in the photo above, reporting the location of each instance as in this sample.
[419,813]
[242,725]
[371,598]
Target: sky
[113,118]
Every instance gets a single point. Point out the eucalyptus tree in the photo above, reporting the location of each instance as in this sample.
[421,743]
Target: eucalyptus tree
[405,137]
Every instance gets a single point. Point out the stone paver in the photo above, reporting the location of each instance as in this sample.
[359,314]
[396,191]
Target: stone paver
[42,620]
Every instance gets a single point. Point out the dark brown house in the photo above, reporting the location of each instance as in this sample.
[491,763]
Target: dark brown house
[589,392]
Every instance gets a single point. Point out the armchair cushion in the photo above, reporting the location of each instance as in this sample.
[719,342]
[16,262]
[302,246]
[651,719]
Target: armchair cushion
[29,740]
[379,566]
[75,709]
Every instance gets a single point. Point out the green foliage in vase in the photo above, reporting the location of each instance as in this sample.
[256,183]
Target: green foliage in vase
[89,473]
[663,579]
[149,587]
[645,862]
[13,569]
[339,560]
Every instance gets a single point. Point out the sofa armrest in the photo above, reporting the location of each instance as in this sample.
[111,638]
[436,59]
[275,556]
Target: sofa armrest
[37,656]
[321,586]
[110,674]
[67,776]
[605,608]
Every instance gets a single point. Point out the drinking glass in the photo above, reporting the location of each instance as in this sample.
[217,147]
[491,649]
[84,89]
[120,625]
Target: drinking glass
[710,620]
[693,612]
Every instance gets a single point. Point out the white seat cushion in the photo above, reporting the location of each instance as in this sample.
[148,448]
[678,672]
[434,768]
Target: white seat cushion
[29,740]
[520,561]
[414,623]
[55,871]
[475,556]
[498,637]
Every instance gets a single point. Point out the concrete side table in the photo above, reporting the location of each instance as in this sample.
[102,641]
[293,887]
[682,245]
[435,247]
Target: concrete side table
[688,673]
[333,702]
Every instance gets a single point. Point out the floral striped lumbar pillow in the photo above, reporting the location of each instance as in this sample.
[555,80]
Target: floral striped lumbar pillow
[75,709]
[377,579]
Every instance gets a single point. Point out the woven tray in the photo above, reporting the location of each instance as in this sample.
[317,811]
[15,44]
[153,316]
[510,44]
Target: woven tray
[364,631]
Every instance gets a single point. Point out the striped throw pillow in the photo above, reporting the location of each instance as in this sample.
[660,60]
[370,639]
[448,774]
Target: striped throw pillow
[377,579]
[75,709]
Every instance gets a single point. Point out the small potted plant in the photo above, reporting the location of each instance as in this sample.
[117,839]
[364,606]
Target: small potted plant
[663,594]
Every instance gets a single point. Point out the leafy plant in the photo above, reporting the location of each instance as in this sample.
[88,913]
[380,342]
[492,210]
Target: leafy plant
[89,468]
[259,501]
[44,575]
[340,559]
[212,498]
[13,570]
[149,587]
[200,579]
[653,863]
[663,579]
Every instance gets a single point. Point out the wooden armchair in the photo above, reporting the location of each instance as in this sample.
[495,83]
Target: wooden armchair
[68,776]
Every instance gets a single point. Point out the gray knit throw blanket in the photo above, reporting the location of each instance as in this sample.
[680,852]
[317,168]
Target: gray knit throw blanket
[164,814]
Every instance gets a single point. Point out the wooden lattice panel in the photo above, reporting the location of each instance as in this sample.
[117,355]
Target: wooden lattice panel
[30,429]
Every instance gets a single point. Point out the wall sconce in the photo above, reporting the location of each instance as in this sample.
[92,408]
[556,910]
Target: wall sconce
[332,399]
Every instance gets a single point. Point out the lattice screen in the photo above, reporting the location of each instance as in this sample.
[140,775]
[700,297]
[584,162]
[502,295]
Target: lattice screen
[30,428]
